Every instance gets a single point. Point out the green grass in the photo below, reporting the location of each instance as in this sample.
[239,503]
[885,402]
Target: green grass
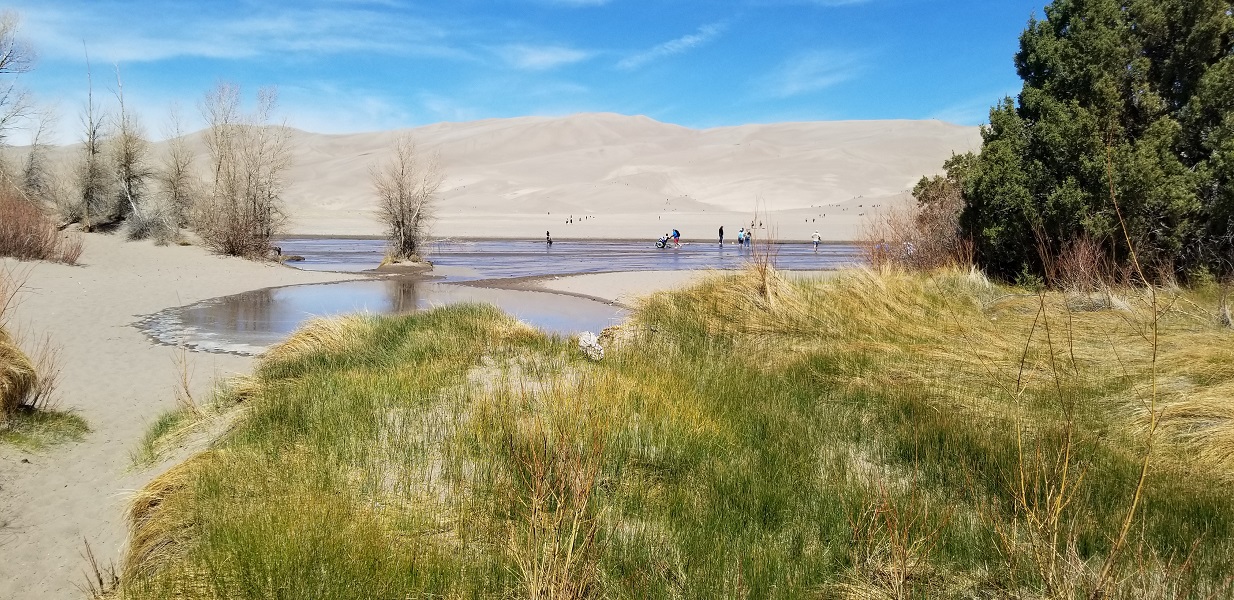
[38,430]
[872,435]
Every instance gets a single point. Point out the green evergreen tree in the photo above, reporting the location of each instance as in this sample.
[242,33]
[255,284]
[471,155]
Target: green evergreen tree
[1133,94]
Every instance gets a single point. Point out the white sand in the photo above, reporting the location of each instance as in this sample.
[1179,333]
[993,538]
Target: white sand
[116,379]
[618,176]
[626,177]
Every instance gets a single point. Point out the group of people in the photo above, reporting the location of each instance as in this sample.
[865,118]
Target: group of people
[745,237]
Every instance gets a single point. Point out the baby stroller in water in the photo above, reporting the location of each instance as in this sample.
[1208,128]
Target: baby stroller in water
[662,242]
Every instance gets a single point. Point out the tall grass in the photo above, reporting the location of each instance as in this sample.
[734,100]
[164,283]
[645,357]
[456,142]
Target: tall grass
[876,434]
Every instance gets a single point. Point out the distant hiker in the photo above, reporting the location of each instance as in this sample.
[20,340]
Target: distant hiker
[721,236]
[548,237]
[816,238]
[676,238]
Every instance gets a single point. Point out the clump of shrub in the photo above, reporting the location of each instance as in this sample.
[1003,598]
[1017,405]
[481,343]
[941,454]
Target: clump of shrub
[28,233]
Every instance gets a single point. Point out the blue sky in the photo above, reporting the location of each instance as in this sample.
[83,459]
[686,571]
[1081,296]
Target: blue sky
[360,65]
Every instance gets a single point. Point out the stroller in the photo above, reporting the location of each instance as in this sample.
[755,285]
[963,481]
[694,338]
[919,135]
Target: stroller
[662,242]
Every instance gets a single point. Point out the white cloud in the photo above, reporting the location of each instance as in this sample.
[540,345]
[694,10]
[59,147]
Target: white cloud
[705,34]
[810,72]
[542,58]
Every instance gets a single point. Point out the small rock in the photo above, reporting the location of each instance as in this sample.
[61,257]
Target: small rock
[590,345]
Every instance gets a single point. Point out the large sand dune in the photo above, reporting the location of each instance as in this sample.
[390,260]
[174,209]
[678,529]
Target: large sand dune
[621,176]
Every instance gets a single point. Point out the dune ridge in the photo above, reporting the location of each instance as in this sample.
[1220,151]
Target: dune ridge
[615,176]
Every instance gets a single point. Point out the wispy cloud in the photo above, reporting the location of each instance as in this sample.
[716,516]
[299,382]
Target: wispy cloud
[542,58]
[115,37]
[705,34]
[810,72]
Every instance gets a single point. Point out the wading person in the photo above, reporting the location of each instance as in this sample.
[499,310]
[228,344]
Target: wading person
[721,236]
[816,238]
[548,237]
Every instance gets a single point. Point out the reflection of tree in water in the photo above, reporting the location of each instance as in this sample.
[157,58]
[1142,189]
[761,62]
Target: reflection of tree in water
[403,294]
[248,311]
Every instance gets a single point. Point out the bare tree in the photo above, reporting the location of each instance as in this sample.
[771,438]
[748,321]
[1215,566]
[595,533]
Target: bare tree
[249,157]
[406,187]
[130,151]
[36,177]
[15,58]
[96,206]
[176,173]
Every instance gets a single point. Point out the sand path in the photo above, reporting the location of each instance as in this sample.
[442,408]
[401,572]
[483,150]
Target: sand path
[119,381]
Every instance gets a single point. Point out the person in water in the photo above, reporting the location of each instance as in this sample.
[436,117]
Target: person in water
[721,236]
[548,237]
[676,238]
[817,239]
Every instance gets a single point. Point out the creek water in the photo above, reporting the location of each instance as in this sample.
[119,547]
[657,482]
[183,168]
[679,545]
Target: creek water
[251,322]
[465,260]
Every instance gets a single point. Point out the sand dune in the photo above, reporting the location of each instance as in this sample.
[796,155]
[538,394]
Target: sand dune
[618,176]
[621,176]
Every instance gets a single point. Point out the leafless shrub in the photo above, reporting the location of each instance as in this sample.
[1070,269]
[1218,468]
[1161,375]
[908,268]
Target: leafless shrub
[176,179]
[243,209]
[900,237]
[406,186]
[27,232]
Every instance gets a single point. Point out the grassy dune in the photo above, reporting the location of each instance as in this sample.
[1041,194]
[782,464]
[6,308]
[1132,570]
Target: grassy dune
[871,435]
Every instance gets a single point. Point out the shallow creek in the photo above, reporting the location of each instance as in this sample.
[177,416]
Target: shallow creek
[251,322]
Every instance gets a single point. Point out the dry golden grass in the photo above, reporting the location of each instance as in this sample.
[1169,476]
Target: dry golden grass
[18,377]
[322,335]
[956,334]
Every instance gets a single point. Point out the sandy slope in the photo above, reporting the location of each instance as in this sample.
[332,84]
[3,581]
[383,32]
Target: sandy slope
[621,176]
[119,382]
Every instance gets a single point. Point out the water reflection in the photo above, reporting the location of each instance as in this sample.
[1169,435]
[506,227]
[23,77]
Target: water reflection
[251,322]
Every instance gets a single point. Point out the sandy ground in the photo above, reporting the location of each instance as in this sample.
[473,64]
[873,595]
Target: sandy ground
[116,379]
